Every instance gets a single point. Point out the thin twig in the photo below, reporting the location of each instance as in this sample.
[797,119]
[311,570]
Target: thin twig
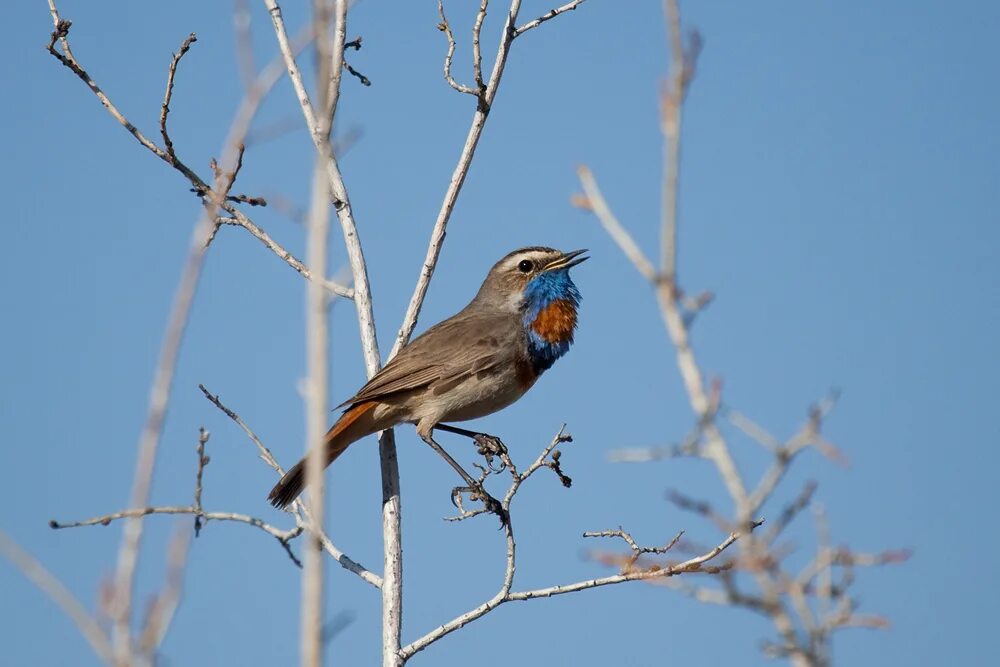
[486,97]
[445,27]
[551,14]
[203,461]
[300,511]
[165,107]
[477,54]
[287,257]
[689,566]
[283,536]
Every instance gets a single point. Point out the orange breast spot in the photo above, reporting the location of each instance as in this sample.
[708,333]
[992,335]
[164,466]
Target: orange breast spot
[555,323]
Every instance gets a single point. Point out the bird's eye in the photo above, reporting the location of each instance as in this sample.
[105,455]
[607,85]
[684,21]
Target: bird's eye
[525,266]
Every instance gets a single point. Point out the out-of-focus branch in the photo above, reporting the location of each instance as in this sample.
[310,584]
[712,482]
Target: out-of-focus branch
[284,536]
[392,587]
[803,609]
[47,582]
[244,42]
[784,454]
[330,67]
[594,201]
[299,510]
[162,610]
[214,197]
[256,93]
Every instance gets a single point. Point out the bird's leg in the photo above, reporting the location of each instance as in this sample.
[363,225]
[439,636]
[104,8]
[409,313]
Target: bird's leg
[487,445]
[474,487]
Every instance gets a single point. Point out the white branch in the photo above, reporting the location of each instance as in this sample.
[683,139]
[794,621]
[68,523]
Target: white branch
[692,565]
[551,14]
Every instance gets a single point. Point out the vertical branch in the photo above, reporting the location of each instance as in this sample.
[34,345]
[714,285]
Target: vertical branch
[668,294]
[486,98]
[329,67]
[670,123]
[477,54]
[316,402]
[392,577]
[128,553]
[214,198]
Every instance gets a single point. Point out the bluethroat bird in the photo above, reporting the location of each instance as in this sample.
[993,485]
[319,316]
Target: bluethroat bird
[472,364]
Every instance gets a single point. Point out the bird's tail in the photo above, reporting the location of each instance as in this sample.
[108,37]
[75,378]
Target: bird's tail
[354,424]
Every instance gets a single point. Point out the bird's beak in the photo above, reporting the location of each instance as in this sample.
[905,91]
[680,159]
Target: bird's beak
[567,261]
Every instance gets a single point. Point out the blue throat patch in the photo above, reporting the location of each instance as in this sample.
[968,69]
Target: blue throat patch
[541,292]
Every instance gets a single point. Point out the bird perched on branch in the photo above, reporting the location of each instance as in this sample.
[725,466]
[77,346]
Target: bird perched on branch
[472,364]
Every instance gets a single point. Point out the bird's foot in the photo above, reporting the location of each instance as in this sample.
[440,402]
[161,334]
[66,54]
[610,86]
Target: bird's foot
[490,447]
[477,492]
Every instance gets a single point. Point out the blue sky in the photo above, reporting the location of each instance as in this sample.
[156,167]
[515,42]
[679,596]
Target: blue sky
[838,196]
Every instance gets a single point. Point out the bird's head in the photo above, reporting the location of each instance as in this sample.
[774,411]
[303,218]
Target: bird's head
[530,278]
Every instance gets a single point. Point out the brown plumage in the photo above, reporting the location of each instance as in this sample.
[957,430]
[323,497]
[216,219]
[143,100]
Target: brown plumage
[468,366]
[348,428]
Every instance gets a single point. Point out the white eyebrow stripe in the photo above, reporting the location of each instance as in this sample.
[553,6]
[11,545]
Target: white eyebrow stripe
[534,255]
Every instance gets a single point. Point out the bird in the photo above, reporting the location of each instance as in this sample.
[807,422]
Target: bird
[475,363]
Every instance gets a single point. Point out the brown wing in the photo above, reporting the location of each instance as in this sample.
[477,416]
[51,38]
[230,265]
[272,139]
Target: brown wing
[463,344]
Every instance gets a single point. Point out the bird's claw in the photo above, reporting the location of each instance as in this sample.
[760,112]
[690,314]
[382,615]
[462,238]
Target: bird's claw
[490,504]
[490,446]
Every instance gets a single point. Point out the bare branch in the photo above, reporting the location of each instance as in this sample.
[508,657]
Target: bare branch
[551,14]
[791,510]
[753,430]
[244,42]
[486,97]
[594,201]
[445,27]
[330,57]
[290,259]
[165,107]
[691,565]
[161,614]
[785,453]
[477,55]
[391,581]
[637,550]
[203,461]
[46,582]
[549,458]
[300,511]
